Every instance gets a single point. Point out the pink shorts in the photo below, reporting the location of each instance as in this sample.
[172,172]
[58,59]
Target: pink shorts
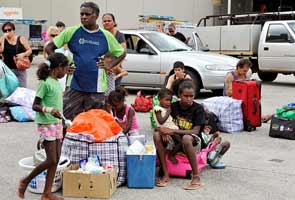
[50,132]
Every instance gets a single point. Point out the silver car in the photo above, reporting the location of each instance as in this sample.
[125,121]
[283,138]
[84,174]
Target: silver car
[150,58]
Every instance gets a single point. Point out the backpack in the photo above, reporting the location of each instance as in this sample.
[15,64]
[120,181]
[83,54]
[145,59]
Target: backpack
[142,103]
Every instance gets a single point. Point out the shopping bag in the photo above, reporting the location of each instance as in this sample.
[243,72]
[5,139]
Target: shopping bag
[21,63]
[142,103]
[8,81]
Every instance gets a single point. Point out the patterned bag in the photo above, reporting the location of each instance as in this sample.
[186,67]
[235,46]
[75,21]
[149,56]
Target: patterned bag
[228,111]
[4,114]
[111,151]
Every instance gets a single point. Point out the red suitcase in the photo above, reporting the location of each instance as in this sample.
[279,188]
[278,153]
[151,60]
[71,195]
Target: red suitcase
[249,91]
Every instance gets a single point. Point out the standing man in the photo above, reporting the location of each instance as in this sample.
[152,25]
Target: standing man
[88,42]
[174,33]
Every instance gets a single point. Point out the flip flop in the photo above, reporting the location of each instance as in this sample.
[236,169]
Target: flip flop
[219,165]
[192,186]
[162,183]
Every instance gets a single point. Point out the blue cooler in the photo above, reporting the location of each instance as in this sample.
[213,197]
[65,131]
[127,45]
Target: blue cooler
[141,170]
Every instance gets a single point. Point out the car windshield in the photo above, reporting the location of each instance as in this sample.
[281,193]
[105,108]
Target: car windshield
[292,26]
[166,43]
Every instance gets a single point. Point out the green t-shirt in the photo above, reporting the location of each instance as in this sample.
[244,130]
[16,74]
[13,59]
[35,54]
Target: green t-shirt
[50,92]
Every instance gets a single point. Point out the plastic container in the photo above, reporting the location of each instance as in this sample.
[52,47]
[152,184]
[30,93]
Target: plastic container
[141,170]
[37,184]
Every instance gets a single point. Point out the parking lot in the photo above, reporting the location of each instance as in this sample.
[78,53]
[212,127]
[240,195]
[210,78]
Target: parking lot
[258,167]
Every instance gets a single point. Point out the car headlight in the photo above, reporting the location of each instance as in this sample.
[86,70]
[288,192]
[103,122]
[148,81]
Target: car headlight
[219,67]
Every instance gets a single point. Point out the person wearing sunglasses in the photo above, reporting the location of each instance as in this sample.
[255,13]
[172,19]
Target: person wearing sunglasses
[172,32]
[51,33]
[9,49]
[88,43]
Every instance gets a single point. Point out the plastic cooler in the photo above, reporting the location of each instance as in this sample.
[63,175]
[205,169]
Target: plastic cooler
[37,184]
[141,170]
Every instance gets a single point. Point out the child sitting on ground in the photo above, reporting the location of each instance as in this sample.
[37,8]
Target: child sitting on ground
[179,74]
[123,113]
[211,128]
[163,119]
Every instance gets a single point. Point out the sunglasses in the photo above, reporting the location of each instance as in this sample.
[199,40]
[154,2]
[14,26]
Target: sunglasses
[53,35]
[7,30]
[86,14]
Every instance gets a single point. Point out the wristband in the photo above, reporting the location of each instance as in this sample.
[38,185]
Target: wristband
[47,109]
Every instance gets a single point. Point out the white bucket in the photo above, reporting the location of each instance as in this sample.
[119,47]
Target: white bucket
[38,183]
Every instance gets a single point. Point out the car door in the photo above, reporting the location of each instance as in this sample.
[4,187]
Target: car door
[277,51]
[142,63]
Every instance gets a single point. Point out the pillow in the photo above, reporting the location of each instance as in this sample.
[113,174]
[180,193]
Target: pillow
[22,96]
[22,114]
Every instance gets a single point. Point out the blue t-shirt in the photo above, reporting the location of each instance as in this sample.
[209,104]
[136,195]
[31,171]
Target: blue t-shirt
[87,46]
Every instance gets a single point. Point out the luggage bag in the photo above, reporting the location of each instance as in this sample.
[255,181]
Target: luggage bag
[282,128]
[249,91]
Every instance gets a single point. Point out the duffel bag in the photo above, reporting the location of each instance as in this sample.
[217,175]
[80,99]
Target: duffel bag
[228,111]
[282,128]
[112,152]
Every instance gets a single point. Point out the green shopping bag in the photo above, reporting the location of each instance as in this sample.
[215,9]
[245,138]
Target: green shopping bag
[285,112]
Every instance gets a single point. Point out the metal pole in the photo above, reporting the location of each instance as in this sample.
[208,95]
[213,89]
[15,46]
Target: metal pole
[228,10]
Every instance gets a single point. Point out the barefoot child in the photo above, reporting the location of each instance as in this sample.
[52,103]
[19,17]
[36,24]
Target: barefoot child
[123,113]
[163,119]
[48,106]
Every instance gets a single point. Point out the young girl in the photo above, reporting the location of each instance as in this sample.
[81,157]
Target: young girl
[48,106]
[123,113]
[189,116]
[163,119]
[114,74]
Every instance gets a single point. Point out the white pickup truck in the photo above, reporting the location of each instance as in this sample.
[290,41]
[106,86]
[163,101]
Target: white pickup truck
[270,47]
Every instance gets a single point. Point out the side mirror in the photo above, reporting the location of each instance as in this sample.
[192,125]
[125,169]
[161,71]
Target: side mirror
[147,51]
[290,40]
[205,49]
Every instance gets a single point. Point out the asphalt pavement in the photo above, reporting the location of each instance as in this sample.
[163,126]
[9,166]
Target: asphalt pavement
[257,167]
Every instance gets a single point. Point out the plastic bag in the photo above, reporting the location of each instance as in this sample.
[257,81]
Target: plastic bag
[96,122]
[142,103]
[8,80]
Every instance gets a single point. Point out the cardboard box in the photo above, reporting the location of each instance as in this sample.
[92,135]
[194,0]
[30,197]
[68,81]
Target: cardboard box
[89,185]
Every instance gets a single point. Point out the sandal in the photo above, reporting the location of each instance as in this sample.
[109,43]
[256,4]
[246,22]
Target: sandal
[162,183]
[193,186]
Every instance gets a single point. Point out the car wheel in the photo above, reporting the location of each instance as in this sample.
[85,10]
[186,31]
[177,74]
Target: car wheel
[196,80]
[267,76]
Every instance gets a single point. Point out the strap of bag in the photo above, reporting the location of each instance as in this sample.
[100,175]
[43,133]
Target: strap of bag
[17,45]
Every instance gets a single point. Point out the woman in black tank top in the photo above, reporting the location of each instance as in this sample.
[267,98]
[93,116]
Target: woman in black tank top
[8,48]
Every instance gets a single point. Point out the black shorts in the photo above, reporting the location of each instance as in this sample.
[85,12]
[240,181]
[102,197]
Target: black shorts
[75,102]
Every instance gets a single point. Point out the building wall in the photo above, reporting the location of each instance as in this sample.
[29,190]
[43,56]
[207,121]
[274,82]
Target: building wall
[126,12]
